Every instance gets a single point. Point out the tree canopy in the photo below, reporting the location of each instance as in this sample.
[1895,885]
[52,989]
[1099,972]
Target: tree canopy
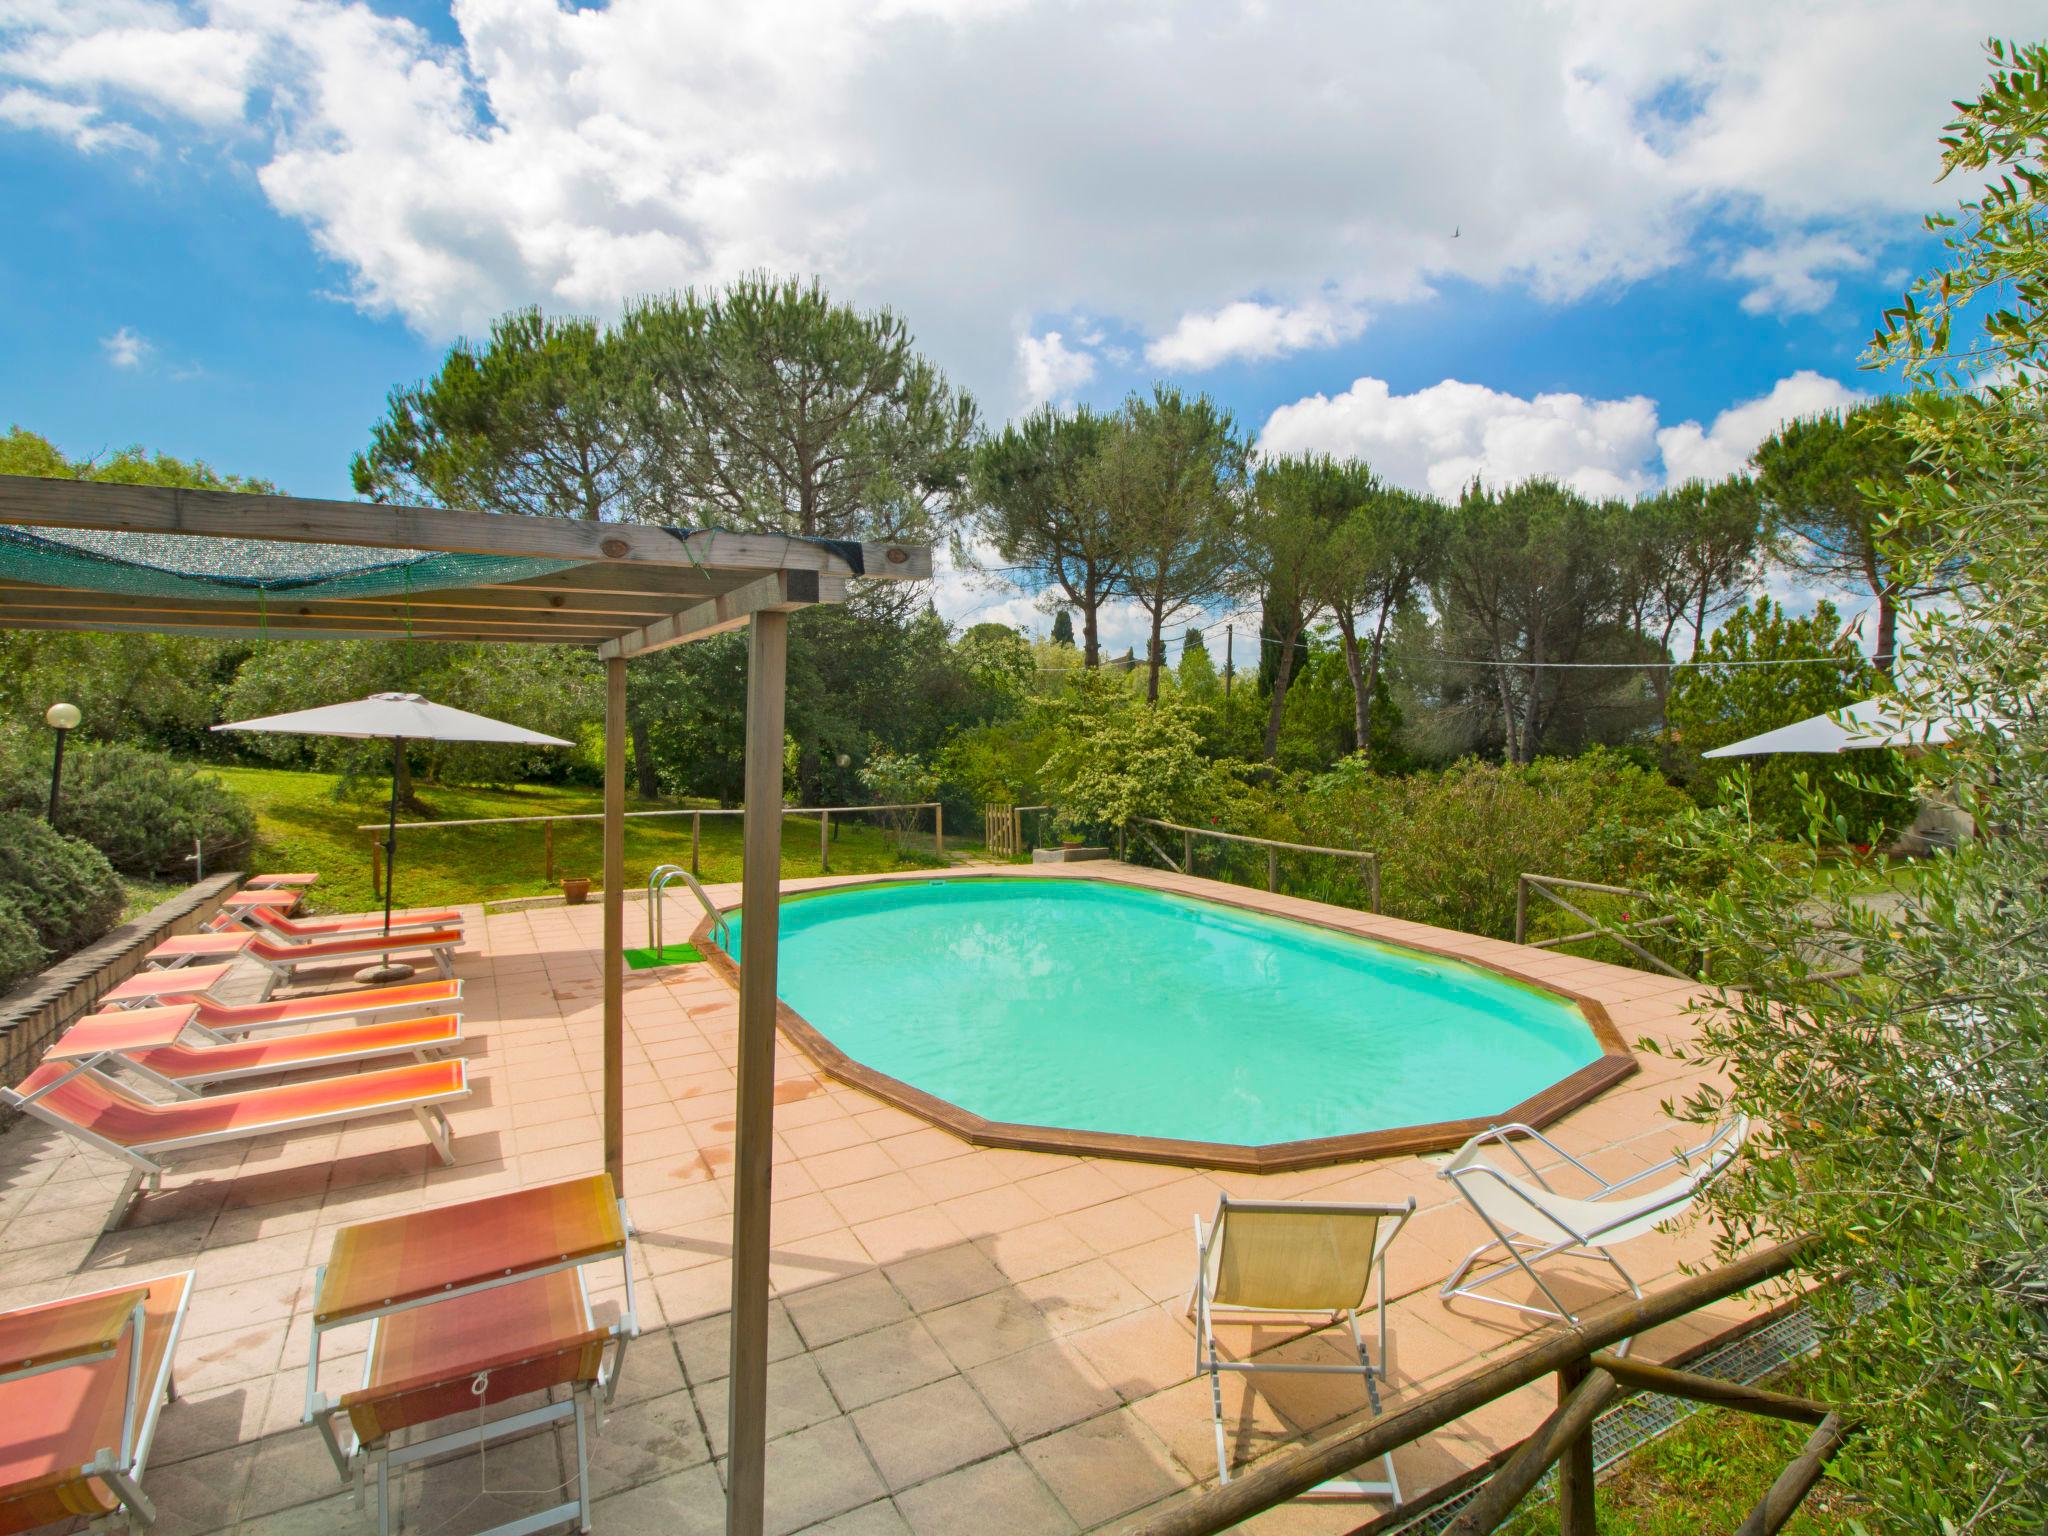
[1034,504]
[1827,484]
[767,405]
[1171,472]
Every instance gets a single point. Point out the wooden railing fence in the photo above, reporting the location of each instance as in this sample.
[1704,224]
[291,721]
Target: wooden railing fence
[1548,886]
[1590,1378]
[1368,863]
[824,813]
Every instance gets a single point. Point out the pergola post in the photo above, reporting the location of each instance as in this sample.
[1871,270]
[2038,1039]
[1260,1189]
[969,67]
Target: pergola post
[615,921]
[754,1150]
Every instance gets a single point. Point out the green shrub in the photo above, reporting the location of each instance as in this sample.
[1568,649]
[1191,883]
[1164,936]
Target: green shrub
[1714,705]
[1115,758]
[1452,844]
[899,779]
[65,888]
[143,810]
[21,953]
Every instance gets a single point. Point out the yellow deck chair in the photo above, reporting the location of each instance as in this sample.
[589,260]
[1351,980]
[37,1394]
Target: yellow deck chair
[1265,1257]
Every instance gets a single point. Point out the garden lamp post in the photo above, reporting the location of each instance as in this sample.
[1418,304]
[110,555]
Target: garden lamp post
[63,719]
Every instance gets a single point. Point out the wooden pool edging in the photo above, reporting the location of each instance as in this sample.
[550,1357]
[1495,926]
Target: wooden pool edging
[1616,1062]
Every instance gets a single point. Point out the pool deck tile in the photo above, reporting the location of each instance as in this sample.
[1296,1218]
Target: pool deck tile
[962,1337]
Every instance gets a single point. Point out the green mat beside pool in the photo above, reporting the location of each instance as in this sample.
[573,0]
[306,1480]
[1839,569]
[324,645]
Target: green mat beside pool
[670,954]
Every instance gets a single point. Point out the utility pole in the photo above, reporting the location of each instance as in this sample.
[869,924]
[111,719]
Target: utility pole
[1229,641]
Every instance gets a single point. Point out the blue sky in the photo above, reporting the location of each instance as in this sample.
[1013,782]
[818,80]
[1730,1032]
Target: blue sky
[234,228]
[256,360]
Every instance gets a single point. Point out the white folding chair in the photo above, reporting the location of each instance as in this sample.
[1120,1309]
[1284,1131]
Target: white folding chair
[1532,1221]
[1268,1257]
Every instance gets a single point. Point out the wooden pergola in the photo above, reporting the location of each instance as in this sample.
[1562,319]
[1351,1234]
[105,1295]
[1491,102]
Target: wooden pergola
[429,573]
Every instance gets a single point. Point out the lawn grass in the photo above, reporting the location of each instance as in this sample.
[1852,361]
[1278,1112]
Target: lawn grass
[300,824]
[1706,1475]
[145,893]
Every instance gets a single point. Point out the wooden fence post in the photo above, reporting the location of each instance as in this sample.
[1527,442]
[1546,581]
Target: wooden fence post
[939,828]
[1575,1467]
[1272,869]
[1521,909]
[824,839]
[1187,853]
[696,836]
[547,840]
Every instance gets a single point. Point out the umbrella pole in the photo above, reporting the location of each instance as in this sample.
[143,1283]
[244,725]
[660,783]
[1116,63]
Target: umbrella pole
[388,970]
[391,829]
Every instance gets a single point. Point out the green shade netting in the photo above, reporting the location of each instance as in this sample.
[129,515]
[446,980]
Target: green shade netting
[248,570]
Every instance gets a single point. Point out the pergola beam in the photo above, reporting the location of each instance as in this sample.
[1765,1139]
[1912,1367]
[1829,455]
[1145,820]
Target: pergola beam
[663,584]
[116,609]
[309,629]
[780,592]
[35,502]
[476,602]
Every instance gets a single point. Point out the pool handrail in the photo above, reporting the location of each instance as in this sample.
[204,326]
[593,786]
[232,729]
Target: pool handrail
[657,882]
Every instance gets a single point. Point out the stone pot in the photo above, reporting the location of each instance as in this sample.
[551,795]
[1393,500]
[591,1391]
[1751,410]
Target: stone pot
[576,889]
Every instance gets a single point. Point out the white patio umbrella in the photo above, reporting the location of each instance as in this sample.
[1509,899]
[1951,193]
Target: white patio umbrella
[398,718]
[1875,723]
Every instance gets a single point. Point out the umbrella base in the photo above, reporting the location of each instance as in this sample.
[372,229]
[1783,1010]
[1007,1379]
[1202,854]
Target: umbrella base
[389,971]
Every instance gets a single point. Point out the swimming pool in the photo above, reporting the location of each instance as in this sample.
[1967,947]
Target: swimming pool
[1105,1008]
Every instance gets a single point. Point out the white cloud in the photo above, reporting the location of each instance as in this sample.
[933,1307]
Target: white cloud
[1442,438]
[1692,452]
[70,120]
[1053,370]
[198,72]
[1253,331]
[979,165]
[126,348]
[1788,275]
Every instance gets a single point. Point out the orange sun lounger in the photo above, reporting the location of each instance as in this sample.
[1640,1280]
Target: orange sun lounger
[285,956]
[151,1041]
[250,909]
[81,1382]
[230,1020]
[469,1305]
[262,917]
[78,1098]
[191,949]
[297,881]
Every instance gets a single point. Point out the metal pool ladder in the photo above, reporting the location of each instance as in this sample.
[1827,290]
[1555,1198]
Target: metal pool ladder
[657,883]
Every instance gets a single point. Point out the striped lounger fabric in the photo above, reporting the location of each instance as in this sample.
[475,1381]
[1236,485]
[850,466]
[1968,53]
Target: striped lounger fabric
[73,1442]
[103,1114]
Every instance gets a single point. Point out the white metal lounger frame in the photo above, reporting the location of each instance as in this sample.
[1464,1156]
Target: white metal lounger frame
[1393,1218]
[121,1467]
[355,1460]
[1548,1231]
[143,1158]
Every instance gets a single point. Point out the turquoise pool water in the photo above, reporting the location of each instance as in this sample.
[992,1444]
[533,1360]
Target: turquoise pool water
[1100,1007]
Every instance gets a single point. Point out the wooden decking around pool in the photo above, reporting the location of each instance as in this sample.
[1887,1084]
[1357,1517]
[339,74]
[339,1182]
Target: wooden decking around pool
[963,1338]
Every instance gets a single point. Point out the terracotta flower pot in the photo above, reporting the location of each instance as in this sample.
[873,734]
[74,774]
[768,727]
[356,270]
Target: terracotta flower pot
[576,889]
